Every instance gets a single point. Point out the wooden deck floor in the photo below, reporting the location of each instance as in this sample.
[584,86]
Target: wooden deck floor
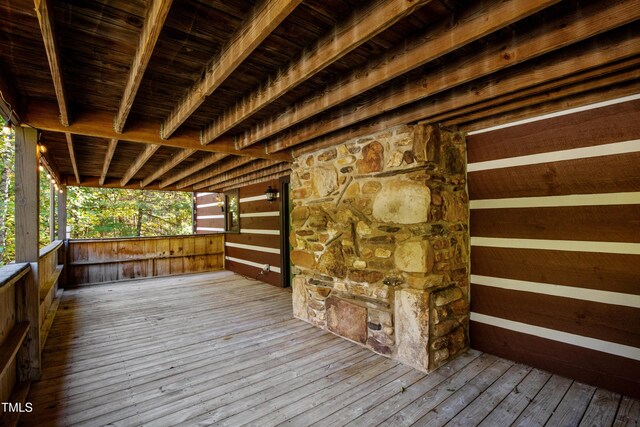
[220,349]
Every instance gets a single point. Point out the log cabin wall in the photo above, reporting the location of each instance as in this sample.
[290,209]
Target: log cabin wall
[555,244]
[258,241]
[209,214]
[105,260]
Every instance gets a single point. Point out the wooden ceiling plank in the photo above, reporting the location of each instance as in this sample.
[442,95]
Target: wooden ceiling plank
[255,177]
[583,23]
[482,19]
[72,155]
[261,21]
[244,183]
[206,161]
[207,174]
[111,149]
[149,150]
[533,101]
[45,18]
[250,168]
[343,38]
[99,124]
[447,105]
[174,161]
[156,15]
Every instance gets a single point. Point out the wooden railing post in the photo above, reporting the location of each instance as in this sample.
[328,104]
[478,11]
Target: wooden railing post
[27,232]
[62,234]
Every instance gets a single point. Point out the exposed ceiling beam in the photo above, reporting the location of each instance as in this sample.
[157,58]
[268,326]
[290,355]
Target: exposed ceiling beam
[206,161]
[72,155]
[584,22]
[261,21]
[206,174]
[45,18]
[361,26]
[156,15]
[251,167]
[146,154]
[111,149]
[544,103]
[99,124]
[254,177]
[134,184]
[530,78]
[174,161]
[481,19]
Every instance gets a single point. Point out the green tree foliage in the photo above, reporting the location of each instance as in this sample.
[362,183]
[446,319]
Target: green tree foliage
[93,212]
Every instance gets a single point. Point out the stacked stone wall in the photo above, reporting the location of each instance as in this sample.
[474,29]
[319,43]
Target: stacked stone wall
[380,243]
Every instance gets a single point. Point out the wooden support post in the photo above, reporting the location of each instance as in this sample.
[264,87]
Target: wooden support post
[27,224]
[62,234]
[52,212]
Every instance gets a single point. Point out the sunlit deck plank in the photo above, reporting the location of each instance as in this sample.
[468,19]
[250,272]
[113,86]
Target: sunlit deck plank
[217,347]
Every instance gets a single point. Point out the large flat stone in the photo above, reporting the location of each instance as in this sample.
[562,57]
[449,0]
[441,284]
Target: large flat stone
[414,256]
[346,319]
[412,327]
[402,202]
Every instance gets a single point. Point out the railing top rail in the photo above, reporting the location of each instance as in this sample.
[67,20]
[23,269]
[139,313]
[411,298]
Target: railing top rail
[11,273]
[129,239]
[51,247]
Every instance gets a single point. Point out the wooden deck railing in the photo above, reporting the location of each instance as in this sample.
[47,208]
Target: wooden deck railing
[106,260]
[14,325]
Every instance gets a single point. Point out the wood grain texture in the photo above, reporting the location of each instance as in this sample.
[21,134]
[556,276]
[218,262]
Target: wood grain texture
[228,164]
[590,366]
[47,28]
[605,322]
[138,163]
[259,23]
[206,161]
[98,261]
[349,34]
[72,156]
[599,126]
[578,25]
[175,160]
[156,15]
[607,272]
[617,173]
[560,223]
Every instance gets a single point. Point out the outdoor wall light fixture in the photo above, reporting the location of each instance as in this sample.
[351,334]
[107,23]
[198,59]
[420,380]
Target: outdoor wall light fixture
[271,194]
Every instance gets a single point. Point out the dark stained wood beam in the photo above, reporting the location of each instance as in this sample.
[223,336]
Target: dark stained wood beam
[156,15]
[206,174]
[251,167]
[140,161]
[480,20]
[607,93]
[361,26]
[45,18]
[111,149]
[254,177]
[197,166]
[174,161]
[99,124]
[563,88]
[72,156]
[525,82]
[133,184]
[261,21]
[8,100]
[584,22]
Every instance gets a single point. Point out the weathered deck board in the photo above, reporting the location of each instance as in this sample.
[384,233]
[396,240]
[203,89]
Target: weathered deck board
[219,348]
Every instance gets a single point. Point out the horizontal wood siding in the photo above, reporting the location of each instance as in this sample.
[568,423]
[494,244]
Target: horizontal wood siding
[209,214]
[106,260]
[555,244]
[259,236]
